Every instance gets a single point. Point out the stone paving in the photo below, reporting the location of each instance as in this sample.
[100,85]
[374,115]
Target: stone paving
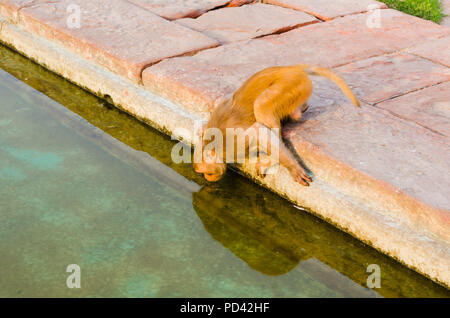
[327,10]
[435,50]
[246,22]
[203,79]
[446,7]
[177,9]
[391,157]
[118,35]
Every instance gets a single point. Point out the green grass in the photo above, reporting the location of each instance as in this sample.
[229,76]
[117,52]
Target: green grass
[425,9]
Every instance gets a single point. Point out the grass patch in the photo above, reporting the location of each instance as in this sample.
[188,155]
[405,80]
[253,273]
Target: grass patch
[425,9]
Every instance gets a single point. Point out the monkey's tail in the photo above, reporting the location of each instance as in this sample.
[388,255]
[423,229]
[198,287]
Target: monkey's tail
[333,76]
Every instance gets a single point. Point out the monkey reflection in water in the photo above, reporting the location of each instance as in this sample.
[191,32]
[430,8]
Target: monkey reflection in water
[273,238]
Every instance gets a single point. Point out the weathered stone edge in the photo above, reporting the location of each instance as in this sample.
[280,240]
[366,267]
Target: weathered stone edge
[415,250]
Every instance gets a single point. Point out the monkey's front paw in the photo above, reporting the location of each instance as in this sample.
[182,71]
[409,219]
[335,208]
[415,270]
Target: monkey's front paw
[300,176]
[261,167]
[261,173]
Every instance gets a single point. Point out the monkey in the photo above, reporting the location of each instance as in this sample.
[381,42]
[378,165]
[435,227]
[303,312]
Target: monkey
[265,100]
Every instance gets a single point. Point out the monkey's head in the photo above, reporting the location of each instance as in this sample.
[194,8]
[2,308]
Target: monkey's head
[207,162]
[212,170]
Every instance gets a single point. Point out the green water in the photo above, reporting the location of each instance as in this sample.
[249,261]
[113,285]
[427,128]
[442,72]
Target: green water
[83,183]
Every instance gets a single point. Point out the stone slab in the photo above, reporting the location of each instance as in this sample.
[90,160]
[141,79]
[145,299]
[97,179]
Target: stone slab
[116,34]
[436,50]
[233,24]
[10,8]
[429,107]
[326,9]
[177,9]
[199,82]
[446,9]
[384,77]
[381,160]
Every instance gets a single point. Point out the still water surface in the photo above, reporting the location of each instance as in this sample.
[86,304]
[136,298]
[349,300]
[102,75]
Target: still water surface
[84,183]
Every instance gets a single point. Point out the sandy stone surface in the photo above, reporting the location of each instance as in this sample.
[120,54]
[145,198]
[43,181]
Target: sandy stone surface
[384,77]
[429,107]
[436,50]
[366,149]
[246,22]
[118,35]
[200,81]
[9,8]
[446,6]
[176,9]
[326,9]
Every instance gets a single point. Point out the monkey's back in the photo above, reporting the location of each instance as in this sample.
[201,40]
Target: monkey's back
[290,86]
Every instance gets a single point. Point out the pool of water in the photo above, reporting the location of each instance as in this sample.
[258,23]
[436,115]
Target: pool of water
[84,183]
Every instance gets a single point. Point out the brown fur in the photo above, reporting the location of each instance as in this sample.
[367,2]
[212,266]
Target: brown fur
[266,99]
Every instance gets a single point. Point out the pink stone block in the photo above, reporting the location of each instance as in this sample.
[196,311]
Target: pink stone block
[367,150]
[250,21]
[446,9]
[176,9]
[116,34]
[326,9]
[200,81]
[9,8]
[429,107]
[436,50]
[380,78]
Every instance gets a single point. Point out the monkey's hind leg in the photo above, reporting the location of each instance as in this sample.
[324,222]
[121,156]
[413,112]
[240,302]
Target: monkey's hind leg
[265,107]
[271,144]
